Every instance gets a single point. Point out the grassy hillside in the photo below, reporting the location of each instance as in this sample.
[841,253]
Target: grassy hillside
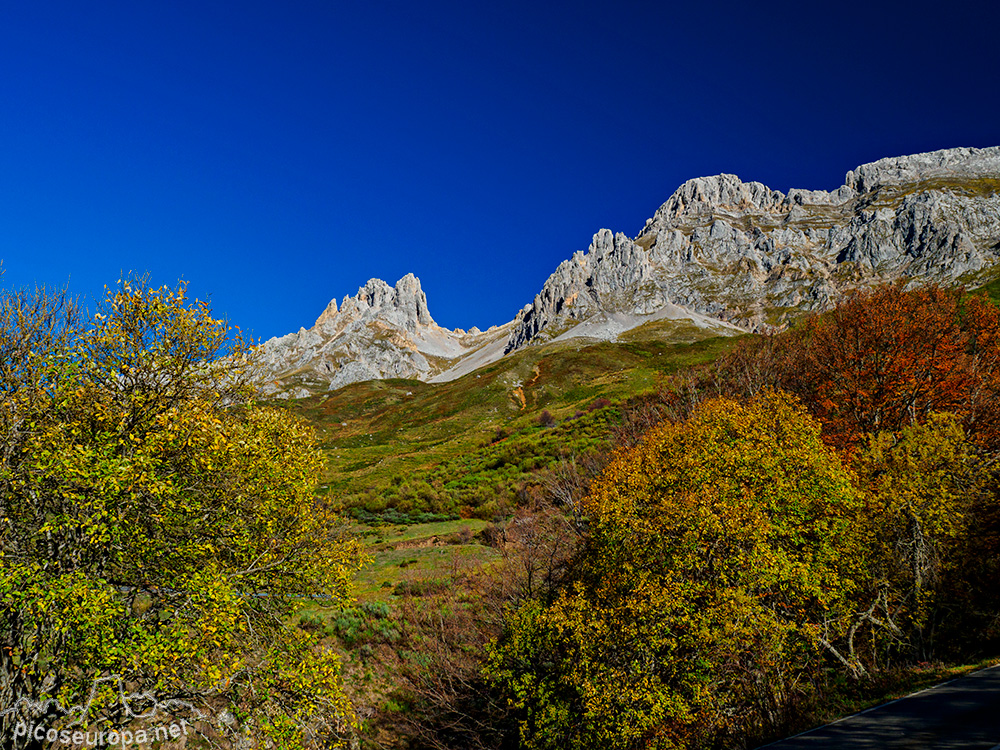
[464,446]
[410,451]
[456,447]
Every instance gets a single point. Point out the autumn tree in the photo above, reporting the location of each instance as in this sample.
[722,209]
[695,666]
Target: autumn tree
[927,485]
[723,562]
[980,409]
[157,527]
[881,360]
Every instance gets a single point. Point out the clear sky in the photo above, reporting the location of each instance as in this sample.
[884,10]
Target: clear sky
[278,154]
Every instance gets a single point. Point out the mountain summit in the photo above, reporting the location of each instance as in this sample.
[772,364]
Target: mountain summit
[403,306]
[381,332]
[754,257]
[721,254]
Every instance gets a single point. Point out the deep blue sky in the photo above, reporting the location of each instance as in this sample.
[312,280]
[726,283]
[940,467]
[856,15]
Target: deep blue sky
[279,154]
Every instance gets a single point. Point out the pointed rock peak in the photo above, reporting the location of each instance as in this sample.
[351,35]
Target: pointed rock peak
[328,314]
[408,282]
[722,191]
[410,299]
[374,293]
[404,305]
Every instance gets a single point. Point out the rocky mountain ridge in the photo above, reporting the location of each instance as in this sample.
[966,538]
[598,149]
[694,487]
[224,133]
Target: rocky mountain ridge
[721,254]
[752,256]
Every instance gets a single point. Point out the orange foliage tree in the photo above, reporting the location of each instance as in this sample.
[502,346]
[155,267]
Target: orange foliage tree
[884,359]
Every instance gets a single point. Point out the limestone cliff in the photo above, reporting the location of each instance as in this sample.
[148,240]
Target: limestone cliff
[381,332]
[751,256]
[722,254]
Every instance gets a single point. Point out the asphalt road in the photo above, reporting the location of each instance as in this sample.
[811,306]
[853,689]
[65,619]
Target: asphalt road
[963,713]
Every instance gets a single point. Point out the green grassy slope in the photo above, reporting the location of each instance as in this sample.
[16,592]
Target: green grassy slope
[992,289]
[464,445]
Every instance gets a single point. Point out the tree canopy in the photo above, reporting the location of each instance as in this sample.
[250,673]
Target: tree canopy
[722,561]
[883,359]
[817,508]
[156,524]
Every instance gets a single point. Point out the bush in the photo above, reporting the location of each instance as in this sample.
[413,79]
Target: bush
[545,419]
[599,403]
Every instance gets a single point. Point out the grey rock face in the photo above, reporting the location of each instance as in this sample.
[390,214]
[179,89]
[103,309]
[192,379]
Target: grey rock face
[718,253]
[961,163]
[404,306]
[381,332]
[752,256]
[614,275]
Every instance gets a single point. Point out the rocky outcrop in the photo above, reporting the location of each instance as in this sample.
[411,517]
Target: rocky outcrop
[614,275]
[381,332]
[746,254]
[961,163]
[720,253]
[403,306]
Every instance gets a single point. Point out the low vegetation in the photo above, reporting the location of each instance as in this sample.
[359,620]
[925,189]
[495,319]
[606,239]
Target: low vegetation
[473,447]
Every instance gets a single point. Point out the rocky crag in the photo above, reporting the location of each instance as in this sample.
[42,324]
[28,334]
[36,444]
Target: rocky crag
[381,332]
[743,253]
[720,254]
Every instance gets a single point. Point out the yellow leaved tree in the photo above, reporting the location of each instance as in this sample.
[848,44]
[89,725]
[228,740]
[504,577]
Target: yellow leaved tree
[931,491]
[157,527]
[723,560]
